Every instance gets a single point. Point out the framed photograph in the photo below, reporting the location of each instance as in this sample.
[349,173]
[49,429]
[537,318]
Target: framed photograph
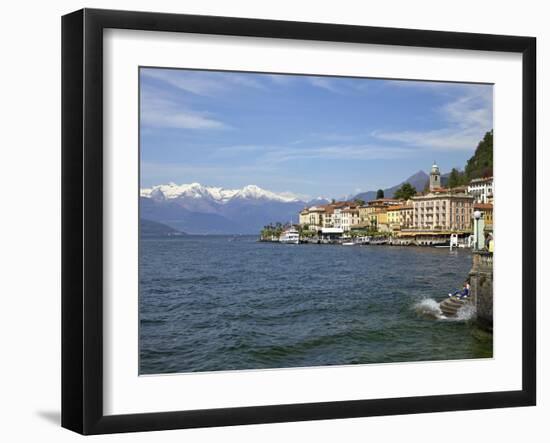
[268,221]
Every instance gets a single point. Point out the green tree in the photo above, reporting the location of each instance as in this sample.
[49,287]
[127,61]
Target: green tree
[481,163]
[359,202]
[405,192]
[456,178]
[380,193]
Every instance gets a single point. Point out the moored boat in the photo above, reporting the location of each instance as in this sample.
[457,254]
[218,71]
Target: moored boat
[290,236]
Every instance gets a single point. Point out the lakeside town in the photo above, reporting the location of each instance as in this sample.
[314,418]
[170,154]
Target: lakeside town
[460,216]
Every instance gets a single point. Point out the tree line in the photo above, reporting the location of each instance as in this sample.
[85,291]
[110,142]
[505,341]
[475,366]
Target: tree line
[478,166]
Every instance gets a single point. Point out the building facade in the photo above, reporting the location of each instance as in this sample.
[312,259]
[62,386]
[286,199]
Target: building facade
[313,217]
[400,216]
[393,218]
[481,189]
[337,215]
[442,211]
[350,218]
[377,213]
[406,215]
[486,210]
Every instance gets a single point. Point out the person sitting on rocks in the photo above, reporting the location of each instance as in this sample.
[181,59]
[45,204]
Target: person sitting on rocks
[462,293]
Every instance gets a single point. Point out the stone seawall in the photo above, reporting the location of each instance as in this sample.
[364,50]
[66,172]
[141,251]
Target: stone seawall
[481,282]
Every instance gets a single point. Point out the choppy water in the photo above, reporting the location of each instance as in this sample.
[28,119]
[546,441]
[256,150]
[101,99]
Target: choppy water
[211,303]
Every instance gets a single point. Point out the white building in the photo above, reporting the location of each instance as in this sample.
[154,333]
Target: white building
[481,189]
[350,218]
[337,218]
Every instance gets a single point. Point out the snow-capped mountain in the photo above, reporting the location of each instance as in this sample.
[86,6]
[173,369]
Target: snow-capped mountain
[217,194]
[199,209]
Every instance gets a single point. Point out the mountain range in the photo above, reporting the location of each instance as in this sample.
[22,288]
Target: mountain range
[417,180]
[148,228]
[198,209]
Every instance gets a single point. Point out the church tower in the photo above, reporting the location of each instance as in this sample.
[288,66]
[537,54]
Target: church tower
[435,177]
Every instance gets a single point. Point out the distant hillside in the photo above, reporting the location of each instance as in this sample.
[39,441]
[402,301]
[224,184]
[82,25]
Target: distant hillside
[481,163]
[149,228]
[417,180]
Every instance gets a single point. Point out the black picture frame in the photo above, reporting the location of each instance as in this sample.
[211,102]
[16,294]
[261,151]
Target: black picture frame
[82,218]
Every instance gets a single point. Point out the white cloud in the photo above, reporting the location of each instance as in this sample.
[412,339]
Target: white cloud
[335,136]
[468,117]
[276,155]
[202,82]
[342,152]
[159,112]
[323,83]
[280,79]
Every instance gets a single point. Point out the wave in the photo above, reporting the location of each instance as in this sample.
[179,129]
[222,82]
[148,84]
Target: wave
[466,312]
[429,308]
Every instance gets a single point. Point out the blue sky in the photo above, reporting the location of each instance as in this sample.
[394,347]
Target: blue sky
[313,136]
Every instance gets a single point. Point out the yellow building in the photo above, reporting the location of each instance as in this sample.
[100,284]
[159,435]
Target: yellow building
[486,210]
[393,217]
[303,218]
[381,220]
[400,216]
[375,214]
[313,217]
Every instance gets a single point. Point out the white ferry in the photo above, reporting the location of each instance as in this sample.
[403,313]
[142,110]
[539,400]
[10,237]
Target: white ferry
[291,236]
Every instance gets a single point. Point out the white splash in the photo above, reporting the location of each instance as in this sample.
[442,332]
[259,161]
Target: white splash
[466,312]
[428,307]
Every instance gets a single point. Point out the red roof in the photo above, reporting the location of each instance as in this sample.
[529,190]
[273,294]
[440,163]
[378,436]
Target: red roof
[485,206]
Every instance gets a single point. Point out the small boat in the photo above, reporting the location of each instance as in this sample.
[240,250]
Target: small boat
[378,241]
[348,243]
[290,236]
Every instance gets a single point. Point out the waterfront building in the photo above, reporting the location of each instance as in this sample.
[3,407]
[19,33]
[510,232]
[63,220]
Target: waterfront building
[400,216]
[460,189]
[350,218]
[303,217]
[406,215]
[442,210]
[375,215]
[392,214]
[337,218]
[481,189]
[327,217]
[337,215]
[364,220]
[486,210]
[313,217]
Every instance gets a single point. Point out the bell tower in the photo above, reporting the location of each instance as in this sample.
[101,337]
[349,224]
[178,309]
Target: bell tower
[435,177]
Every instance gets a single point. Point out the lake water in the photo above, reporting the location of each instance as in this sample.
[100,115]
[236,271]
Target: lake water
[210,303]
